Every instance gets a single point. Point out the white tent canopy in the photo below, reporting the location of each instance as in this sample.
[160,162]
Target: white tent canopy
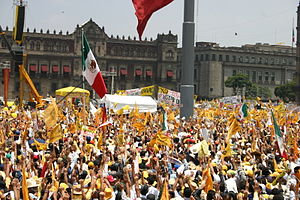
[116,102]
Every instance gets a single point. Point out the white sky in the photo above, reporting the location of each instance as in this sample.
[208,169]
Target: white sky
[265,21]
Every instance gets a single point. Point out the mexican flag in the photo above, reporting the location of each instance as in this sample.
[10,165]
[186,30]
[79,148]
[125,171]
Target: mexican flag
[279,138]
[91,70]
[243,111]
[165,121]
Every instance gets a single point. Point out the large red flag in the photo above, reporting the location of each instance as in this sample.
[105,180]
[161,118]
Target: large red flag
[144,10]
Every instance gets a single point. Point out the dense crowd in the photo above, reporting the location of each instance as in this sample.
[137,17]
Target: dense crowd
[216,154]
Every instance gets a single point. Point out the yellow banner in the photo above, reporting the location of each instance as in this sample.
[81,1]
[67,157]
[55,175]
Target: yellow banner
[147,91]
[55,134]
[51,114]
[163,90]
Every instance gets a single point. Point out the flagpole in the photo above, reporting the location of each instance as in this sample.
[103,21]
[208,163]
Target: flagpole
[82,58]
[293,37]
[187,66]
[297,88]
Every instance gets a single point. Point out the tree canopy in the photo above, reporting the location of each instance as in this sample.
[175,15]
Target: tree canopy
[286,92]
[238,82]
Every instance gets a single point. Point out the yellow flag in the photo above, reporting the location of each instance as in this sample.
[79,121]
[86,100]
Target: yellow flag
[120,112]
[56,183]
[165,192]
[171,116]
[55,134]
[120,140]
[146,118]
[127,107]
[228,151]
[51,114]
[40,146]
[24,185]
[160,139]
[100,141]
[233,129]
[139,126]
[206,176]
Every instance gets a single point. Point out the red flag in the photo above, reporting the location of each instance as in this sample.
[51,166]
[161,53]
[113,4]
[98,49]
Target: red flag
[144,10]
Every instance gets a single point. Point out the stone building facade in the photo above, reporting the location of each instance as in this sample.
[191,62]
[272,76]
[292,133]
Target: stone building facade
[54,60]
[266,66]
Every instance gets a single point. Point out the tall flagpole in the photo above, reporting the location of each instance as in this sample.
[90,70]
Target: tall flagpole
[293,37]
[82,46]
[298,57]
[187,66]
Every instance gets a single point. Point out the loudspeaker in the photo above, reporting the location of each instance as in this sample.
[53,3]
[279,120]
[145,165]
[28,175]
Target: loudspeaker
[19,24]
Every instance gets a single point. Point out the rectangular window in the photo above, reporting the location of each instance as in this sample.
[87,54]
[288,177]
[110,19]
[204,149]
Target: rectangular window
[55,68]
[284,61]
[246,59]
[266,60]
[207,57]
[201,57]
[220,57]
[123,74]
[233,58]
[260,76]
[148,75]
[138,73]
[253,76]
[273,77]
[233,72]
[213,57]
[227,58]
[44,68]
[266,76]
[240,59]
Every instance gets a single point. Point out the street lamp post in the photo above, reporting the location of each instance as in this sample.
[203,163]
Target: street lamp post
[187,79]
[112,74]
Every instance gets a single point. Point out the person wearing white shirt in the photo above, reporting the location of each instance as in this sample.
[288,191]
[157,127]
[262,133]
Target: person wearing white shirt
[231,184]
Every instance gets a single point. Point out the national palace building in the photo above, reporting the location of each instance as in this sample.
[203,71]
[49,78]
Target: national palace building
[54,61]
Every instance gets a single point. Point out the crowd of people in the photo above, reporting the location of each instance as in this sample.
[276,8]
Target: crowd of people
[216,154]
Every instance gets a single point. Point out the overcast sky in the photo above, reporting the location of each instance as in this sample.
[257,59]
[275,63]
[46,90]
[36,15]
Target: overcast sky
[265,21]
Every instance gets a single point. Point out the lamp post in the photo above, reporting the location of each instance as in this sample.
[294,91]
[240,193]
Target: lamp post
[112,74]
[187,68]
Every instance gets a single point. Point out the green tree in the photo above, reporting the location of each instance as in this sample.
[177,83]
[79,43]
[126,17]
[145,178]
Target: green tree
[238,83]
[286,92]
[264,92]
[251,91]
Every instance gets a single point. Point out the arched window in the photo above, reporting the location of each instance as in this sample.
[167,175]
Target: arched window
[38,46]
[170,54]
[31,46]
[46,46]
